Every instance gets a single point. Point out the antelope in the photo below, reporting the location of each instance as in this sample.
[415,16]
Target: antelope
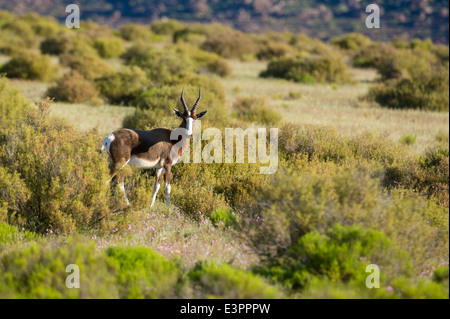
[152,149]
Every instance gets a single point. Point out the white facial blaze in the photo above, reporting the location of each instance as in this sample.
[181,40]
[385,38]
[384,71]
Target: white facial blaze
[189,125]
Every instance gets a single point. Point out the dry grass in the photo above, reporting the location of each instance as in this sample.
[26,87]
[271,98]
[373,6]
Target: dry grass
[338,106]
[173,234]
[106,118]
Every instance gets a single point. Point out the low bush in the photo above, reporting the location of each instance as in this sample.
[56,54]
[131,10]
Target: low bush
[73,88]
[223,281]
[373,55]
[38,271]
[341,255]
[308,68]
[223,218]
[60,172]
[424,88]
[134,32]
[166,27]
[123,87]
[88,65]
[13,105]
[162,66]
[255,109]
[229,43]
[57,44]
[351,41]
[30,66]
[142,273]
[110,47]
[23,30]
[314,197]
[11,235]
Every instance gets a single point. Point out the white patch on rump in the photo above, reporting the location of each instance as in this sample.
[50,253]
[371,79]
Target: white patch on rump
[107,143]
[141,163]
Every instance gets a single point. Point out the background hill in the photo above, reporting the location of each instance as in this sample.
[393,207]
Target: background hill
[322,18]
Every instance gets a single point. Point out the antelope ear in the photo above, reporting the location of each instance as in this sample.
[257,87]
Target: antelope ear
[201,114]
[178,113]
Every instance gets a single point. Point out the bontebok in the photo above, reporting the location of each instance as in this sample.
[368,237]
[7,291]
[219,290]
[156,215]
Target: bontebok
[152,149]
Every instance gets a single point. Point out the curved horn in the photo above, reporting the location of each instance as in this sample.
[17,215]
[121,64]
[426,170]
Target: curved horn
[198,100]
[184,102]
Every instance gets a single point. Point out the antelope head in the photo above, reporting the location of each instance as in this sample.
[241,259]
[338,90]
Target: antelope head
[190,116]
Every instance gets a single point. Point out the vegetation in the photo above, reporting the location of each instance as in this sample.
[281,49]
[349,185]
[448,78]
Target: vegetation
[362,178]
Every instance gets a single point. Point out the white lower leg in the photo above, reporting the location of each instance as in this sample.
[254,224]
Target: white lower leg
[122,188]
[157,185]
[168,193]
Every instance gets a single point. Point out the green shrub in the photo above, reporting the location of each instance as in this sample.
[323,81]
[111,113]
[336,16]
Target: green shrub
[10,234]
[351,41]
[134,32]
[13,194]
[373,55]
[23,30]
[223,281]
[73,88]
[39,271]
[124,86]
[326,144]
[161,66]
[166,27]
[223,217]
[342,255]
[419,82]
[62,172]
[219,67]
[42,26]
[88,65]
[13,106]
[308,68]
[273,50]
[229,43]
[408,139]
[255,109]
[142,273]
[109,47]
[314,196]
[30,66]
